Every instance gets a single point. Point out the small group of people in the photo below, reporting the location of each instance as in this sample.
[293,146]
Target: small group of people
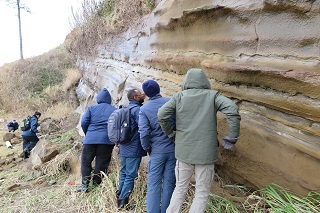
[179,134]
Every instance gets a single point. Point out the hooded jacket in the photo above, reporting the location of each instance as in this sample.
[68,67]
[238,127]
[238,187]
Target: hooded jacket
[94,121]
[196,108]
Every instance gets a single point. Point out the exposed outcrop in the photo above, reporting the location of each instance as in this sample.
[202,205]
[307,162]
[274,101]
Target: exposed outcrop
[263,54]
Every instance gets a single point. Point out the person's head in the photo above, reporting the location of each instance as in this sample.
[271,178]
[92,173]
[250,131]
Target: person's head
[104,96]
[136,95]
[37,114]
[196,79]
[150,88]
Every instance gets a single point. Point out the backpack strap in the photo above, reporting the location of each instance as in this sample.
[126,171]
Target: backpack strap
[137,127]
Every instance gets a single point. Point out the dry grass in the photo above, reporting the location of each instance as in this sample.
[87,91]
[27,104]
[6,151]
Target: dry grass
[39,83]
[62,197]
[95,22]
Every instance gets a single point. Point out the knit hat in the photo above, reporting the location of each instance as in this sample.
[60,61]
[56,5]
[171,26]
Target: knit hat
[150,88]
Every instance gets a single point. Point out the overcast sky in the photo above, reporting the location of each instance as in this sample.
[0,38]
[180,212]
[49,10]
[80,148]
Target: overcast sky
[42,30]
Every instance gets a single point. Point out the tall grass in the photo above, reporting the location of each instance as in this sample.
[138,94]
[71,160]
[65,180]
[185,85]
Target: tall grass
[37,83]
[280,200]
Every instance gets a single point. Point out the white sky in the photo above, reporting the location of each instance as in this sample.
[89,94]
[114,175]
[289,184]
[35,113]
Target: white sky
[44,29]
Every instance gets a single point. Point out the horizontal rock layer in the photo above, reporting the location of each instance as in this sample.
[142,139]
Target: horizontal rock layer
[262,54]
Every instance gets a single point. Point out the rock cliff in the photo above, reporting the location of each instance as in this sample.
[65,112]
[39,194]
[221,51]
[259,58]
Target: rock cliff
[263,54]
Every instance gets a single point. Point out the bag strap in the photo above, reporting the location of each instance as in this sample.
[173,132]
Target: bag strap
[135,129]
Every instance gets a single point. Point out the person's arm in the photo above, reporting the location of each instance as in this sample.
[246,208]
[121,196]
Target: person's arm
[230,109]
[164,115]
[85,121]
[34,124]
[145,131]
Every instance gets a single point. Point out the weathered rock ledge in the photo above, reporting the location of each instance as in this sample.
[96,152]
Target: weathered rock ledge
[263,54]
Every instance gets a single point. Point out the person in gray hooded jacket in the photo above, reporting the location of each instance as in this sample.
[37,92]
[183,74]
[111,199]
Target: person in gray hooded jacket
[96,143]
[196,143]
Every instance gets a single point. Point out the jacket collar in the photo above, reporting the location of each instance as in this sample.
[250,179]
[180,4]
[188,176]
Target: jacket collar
[155,97]
[134,102]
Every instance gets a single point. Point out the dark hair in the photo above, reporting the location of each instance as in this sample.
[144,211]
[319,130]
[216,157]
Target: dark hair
[131,94]
[37,113]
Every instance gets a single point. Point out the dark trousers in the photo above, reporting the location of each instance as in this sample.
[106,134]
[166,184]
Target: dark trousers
[29,142]
[102,153]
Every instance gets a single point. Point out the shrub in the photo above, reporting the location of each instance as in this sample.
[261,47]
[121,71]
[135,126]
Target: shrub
[95,21]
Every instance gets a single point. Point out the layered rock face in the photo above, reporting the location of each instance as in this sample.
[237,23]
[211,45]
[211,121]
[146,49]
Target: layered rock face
[263,54]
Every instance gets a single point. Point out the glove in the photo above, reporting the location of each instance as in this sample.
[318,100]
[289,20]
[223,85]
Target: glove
[228,142]
[172,136]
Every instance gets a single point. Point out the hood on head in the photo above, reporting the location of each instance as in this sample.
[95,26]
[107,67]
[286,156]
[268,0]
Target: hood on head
[104,96]
[195,79]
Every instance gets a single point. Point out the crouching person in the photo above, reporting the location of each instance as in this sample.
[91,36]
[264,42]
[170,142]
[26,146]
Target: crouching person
[13,125]
[161,178]
[96,143]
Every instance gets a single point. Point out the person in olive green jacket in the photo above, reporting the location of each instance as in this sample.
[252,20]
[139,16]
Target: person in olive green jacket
[196,141]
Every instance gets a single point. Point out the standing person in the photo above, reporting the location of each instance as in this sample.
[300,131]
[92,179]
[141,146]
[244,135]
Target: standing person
[96,143]
[30,136]
[196,108]
[13,125]
[161,178]
[131,152]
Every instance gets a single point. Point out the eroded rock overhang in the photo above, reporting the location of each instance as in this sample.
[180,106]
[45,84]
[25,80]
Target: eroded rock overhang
[263,54]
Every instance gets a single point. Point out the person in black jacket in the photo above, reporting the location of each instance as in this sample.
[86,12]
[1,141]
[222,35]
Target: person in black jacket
[13,125]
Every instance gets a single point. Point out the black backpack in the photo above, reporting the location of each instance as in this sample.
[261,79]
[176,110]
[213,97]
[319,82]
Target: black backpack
[119,130]
[25,124]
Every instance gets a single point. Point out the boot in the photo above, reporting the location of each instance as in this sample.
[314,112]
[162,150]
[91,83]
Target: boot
[122,202]
[26,153]
[84,186]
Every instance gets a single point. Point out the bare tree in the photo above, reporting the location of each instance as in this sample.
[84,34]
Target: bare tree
[19,7]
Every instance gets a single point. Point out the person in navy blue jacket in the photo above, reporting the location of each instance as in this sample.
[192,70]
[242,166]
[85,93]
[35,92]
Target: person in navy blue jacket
[131,152]
[96,143]
[13,125]
[161,177]
[30,136]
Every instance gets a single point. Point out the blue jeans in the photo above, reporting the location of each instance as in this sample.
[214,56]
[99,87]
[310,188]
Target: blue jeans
[161,181]
[128,172]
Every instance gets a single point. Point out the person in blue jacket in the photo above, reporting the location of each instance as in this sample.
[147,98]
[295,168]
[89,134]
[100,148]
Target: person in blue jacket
[131,152]
[13,125]
[161,177]
[96,143]
[30,136]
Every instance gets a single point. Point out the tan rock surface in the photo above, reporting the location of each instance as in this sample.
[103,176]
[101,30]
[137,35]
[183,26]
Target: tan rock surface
[264,54]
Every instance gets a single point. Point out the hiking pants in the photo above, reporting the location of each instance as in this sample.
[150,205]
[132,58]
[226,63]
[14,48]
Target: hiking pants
[161,181]
[29,142]
[203,176]
[102,153]
[128,173]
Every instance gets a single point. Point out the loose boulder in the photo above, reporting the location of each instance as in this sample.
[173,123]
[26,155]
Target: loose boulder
[43,152]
